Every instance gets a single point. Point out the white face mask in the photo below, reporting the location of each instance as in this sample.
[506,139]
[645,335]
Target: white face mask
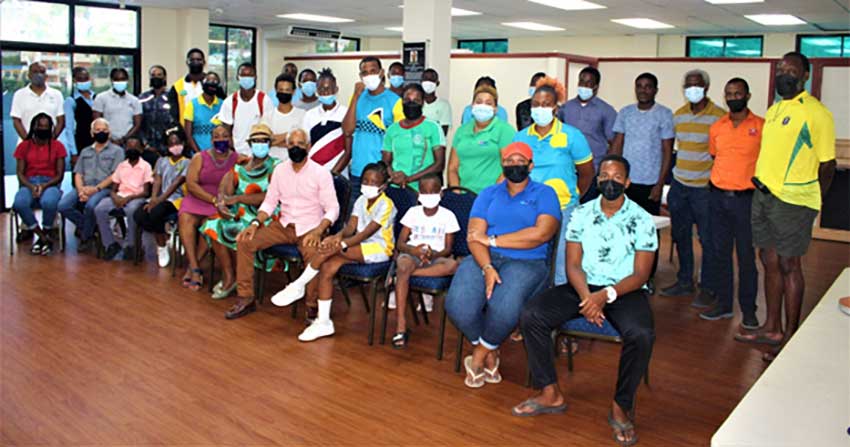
[695,94]
[372,81]
[429,201]
[429,87]
[370,192]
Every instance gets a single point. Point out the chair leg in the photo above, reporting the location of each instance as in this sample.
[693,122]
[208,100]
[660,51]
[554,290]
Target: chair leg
[569,354]
[137,259]
[373,295]
[175,252]
[62,240]
[424,311]
[458,351]
[442,333]
[12,233]
[212,269]
[365,301]
[385,309]
[411,304]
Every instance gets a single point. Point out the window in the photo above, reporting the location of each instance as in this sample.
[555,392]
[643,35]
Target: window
[824,45]
[722,46]
[341,45]
[34,22]
[484,45]
[105,27]
[230,47]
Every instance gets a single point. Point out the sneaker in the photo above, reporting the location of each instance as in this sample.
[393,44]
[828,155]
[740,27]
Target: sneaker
[716,313]
[292,293]
[317,330]
[163,256]
[37,246]
[704,299]
[391,305]
[47,247]
[750,322]
[24,235]
[429,303]
[678,290]
[112,251]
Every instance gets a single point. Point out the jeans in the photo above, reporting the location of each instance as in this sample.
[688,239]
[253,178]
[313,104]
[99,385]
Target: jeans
[101,213]
[25,203]
[631,315]
[731,225]
[561,255]
[485,321]
[84,220]
[689,206]
[355,192]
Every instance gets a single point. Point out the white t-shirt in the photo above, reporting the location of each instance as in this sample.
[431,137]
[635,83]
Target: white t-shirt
[431,230]
[326,137]
[247,114]
[26,104]
[282,123]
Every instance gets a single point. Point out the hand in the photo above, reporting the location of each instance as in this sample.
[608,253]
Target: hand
[37,190]
[491,278]
[312,238]
[247,234]
[223,210]
[655,194]
[481,238]
[423,252]
[228,200]
[242,159]
[82,196]
[331,245]
[399,178]
[89,190]
[152,203]
[120,202]
[359,86]
[592,305]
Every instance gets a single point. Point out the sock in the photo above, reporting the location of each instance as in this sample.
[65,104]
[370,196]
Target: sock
[324,310]
[307,276]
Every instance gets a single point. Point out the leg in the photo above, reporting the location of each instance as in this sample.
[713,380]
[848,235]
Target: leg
[89,221]
[723,225]
[794,285]
[681,228]
[701,210]
[246,250]
[466,299]
[223,254]
[23,205]
[405,265]
[747,273]
[101,213]
[774,290]
[49,206]
[355,191]
[187,225]
[130,210]
[561,255]
[68,208]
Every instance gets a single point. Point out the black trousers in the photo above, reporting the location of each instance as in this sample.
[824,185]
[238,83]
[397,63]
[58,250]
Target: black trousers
[631,315]
[731,227]
[153,221]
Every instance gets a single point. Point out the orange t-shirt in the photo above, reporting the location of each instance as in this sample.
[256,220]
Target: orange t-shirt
[735,151]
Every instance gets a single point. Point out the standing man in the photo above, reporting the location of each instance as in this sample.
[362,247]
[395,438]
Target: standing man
[523,109]
[36,98]
[330,147]
[156,115]
[688,199]
[292,70]
[78,114]
[793,172]
[593,117]
[435,109]
[734,142]
[308,99]
[397,78]
[284,117]
[244,108]
[188,87]
[121,109]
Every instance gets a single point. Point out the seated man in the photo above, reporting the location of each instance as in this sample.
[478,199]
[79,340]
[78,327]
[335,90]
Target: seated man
[619,240]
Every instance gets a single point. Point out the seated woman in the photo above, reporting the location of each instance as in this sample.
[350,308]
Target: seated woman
[168,179]
[510,226]
[367,238]
[240,194]
[41,166]
[206,170]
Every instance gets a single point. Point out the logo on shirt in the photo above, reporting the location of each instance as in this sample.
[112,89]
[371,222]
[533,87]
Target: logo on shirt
[786,120]
[753,131]
[377,118]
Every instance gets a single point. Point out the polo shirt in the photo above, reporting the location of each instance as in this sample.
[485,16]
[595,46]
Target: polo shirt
[119,110]
[798,135]
[95,166]
[595,119]
[26,104]
[555,157]
[643,132]
[505,214]
[203,116]
[70,134]
[608,244]
[439,111]
[735,151]
[375,114]
[383,213]
[40,159]
[466,117]
[413,147]
[325,129]
[131,179]
[693,161]
[479,157]
[247,114]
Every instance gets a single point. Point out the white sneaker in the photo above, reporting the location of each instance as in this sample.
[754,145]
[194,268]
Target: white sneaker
[317,330]
[290,294]
[163,256]
[429,303]
[391,303]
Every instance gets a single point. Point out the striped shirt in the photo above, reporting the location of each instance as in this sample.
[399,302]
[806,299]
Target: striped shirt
[693,161]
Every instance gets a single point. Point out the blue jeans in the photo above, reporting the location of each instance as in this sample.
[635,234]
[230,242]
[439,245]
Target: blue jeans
[467,300]
[689,206]
[25,203]
[731,226]
[84,220]
[561,256]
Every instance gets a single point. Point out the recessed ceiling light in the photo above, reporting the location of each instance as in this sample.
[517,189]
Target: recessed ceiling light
[398,29]
[458,12]
[776,19]
[569,5]
[732,2]
[314,18]
[533,26]
[643,23]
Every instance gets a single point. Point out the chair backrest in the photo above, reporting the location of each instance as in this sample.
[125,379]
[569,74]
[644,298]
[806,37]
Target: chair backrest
[343,194]
[403,199]
[459,200]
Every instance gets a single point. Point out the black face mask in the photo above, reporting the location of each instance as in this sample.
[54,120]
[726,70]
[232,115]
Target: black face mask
[412,110]
[736,105]
[611,190]
[133,154]
[297,154]
[101,137]
[284,98]
[43,134]
[515,173]
[786,84]
[210,88]
[196,67]
[157,83]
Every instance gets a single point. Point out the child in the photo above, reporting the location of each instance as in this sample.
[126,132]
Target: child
[424,247]
[368,238]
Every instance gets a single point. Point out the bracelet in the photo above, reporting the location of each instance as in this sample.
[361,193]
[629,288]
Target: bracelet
[485,268]
[344,246]
[492,240]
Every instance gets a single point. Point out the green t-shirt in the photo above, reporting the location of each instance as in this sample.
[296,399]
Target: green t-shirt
[413,147]
[480,163]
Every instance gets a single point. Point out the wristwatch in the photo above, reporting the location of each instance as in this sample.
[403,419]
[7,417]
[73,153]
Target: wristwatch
[344,246]
[492,240]
[612,294]
[256,223]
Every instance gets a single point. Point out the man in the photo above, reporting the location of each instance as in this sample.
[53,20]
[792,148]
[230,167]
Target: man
[292,70]
[501,113]
[92,181]
[593,117]
[793,172]
[368,118]
[734,142]
[121,109]
[523,109]
[305,193]
[610,247]
[78,114]
[330,147]
[397,78]
[35,98]
[688,199]
[436,109]
[156,115]
[284,117]
[188,87]
[308,99]
[244,108]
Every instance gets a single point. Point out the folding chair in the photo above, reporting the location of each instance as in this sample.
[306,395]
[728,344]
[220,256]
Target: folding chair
[15,229]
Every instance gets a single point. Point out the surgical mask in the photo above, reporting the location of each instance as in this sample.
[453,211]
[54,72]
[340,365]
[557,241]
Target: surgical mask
[515,173]
[412,110]
[396,81]
[542,116]
[210,88]
[327,100]
[695,94]
[247,82]
[133,154]
[482,112]
[157,83]
[370,192]
[221,146]
[84,86]
[176,150]
[429,87]
[260,150]
[585,93]
[429,201]
[308,88]
[531,91]
[736,105]
[297,154]
[196,67]
[611,190]
[101,137]
[372,82]
[42,134]
[786,84]
[119,86]
[38,79]
[285,98]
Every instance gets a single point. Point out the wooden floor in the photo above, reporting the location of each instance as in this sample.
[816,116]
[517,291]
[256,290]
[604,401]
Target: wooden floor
[105,353]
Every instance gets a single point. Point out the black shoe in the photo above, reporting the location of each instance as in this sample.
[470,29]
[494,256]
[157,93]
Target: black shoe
[85,246]
[129,253]
[53,233]
[112,251]
[241,309]
[37,246]
[716,313]
[678,289]
[23,235]
[704,299]
[47,247]
[750,322]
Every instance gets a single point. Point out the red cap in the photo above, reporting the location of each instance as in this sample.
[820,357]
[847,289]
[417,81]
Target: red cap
[517,147]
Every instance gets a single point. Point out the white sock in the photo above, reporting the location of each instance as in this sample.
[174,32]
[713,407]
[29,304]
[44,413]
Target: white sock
[324,310]
[307,276]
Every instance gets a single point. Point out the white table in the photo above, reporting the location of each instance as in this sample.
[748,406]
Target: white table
[803,398]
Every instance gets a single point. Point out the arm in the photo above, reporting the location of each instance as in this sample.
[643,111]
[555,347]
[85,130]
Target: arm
[350,120]
[585,176]
[137,124]
[95,115]
[146,192]
[435,168]
[454,166]
[190,139]
[617,144]
[447,250]
[192,181]
[481,254]
[544,228]
[60,126]
[60,173]
[177,183]
[22,165]
[19,128]
[826,171]
[158,195]
[666,157]
[346,156]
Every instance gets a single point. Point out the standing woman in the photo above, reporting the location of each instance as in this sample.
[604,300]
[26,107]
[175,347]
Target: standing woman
[206,170]
[156,115]
[199,118]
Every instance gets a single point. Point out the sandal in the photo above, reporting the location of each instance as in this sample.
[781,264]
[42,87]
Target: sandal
[760,339]
[187,278]
[537,409]
[472,379]
[196,285]
[222,293]
[492,375]
[217,287]
[400,339]
[620,428]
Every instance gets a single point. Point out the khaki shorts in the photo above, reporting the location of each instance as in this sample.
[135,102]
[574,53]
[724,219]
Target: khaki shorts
[782,226]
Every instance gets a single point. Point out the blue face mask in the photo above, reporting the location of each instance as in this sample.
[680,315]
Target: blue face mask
[396,81]
[531,91]
[482,112]
[308,88]
[542,116]
[260,150]
[585,93]
[327,100]
[246,82]
[119,86]
[84,86]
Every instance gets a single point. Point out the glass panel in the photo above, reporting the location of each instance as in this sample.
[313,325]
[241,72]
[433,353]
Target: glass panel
[821,46]
[476,46]
[350,45]
[99,66]
[34,22]
[105,27]
[325,46]
[743,47]
[239,50]
[705,47]
[496,46]
[846,52]
[218,49]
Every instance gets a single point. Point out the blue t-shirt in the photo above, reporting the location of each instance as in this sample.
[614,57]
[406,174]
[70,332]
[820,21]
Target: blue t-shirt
[374,117]
[467,114]
[505,214]
[595,119]
[643,131]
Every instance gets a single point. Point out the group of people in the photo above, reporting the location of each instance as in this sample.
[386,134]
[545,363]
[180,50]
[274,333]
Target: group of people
[575,186]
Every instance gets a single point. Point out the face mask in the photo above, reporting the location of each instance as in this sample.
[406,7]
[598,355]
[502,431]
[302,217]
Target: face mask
[429,201]
[531,91]
[221,146]
[372,82]
[370,192]
[786,85]
[695,94]
[119,86]
[157,83]
[260,150]
[42,134]
[515,173]
[101,137]
[38,79]
[308,88]
[429,87]
[736,105]
[542,116]
[84,86]
[176,150]
[285,98]
[297,154]
[611,190]
[396,81]
[246,82]
[133,154]
[482,112]
[210,88]
[327,100]
[196,67]
[412,110]
[585,93]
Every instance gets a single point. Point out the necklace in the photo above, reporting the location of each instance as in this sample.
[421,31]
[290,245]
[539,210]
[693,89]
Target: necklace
[219,164]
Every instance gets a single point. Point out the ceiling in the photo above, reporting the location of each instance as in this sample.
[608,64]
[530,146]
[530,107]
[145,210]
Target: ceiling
[688,16]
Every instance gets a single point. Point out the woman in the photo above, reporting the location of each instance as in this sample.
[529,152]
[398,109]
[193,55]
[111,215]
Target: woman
[474,162]
[200,115]
[240,194]
[510,226]
[206,170]
[41,165]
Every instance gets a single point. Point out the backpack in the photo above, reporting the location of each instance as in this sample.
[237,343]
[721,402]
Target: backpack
[260,97]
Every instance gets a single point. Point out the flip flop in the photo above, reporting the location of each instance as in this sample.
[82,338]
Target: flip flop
[492,375]
[400,339]
[622,428]
[537,409]
[472,380]
[759,339]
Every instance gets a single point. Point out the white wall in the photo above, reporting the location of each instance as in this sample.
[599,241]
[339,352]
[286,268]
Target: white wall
[835,95]
[167,34]
[643,45]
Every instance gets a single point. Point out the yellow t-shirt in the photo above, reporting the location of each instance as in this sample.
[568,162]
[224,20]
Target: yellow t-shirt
[798,135]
